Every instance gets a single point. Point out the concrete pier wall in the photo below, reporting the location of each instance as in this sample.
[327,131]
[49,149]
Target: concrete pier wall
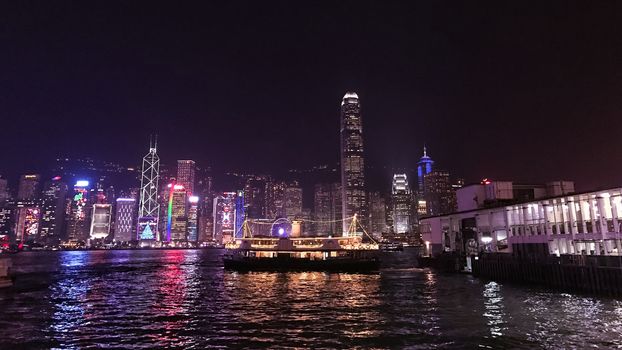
[585,274]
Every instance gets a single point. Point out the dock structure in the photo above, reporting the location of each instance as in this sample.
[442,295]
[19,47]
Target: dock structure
[584,274]
[571,241]
[588,223]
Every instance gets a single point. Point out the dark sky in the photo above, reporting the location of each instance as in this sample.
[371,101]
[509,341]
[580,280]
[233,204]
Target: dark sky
[530,91]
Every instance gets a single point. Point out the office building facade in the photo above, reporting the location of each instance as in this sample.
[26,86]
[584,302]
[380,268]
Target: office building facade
[354,198]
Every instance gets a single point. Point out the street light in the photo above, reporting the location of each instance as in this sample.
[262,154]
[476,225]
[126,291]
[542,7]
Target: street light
[486,240]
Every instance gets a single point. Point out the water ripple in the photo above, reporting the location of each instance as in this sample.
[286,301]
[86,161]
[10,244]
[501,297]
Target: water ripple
[184,299]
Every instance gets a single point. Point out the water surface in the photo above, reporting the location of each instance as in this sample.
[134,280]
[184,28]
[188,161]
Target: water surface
[184,299]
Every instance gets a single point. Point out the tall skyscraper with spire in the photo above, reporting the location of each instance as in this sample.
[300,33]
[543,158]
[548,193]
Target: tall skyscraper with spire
[424,166]
[354,198]
[149,208]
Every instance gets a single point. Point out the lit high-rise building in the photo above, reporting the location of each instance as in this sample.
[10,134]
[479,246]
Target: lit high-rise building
[354,198]
[203,182]
[275,192]
[28,187]
[4,191]
[177,220]
[193,218]
[322,208]
[327,209]
[52,207]
[293,201]
[240,213]
[422,208]
[424,166]
[27,222]
[78,223]
[377,214]
[307,225]
[206,219]
[7,211]
[401,204]
[149,207]
[440,196]
[124,230]
[224,217]
[186,174]
[255,197]
[100,221]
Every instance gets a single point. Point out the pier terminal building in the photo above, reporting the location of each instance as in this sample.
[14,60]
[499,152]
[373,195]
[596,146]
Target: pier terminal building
[528,220]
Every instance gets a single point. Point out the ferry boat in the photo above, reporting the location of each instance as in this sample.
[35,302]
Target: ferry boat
[302,253]
[282,247]
[391,246]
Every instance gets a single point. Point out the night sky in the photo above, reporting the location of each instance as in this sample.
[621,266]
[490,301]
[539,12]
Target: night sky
[529,91]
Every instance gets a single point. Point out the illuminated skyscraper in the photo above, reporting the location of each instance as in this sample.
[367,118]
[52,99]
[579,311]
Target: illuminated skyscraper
[377,214]
[275,192]
[7,223]
[27,223]
[224,217]
[255,197]
[240,214]
[52,205]
[78,220]
[176,224]
[322,202]
[206,218]
[293,201]
[124,229]
[401,204]
[354,198]
[336,228]
[186,174]
[148,212]
[28,185]
[440,195]
[4,193]
[327,209]
[424,166]
[193,218]
[100,221]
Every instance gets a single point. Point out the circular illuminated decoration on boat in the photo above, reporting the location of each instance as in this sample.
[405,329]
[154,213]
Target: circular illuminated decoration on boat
[281,227]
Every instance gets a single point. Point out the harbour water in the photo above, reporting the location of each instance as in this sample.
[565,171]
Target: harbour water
[185,299]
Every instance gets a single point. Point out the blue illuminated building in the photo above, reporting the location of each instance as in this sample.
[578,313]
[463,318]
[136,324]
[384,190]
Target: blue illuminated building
[424,166]
[239,214]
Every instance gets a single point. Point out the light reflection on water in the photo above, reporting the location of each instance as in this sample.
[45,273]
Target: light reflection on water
[184,299]
[493,302]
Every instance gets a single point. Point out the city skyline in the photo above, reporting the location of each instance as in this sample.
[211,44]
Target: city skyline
[428,77]
[173,201]
[310,174]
